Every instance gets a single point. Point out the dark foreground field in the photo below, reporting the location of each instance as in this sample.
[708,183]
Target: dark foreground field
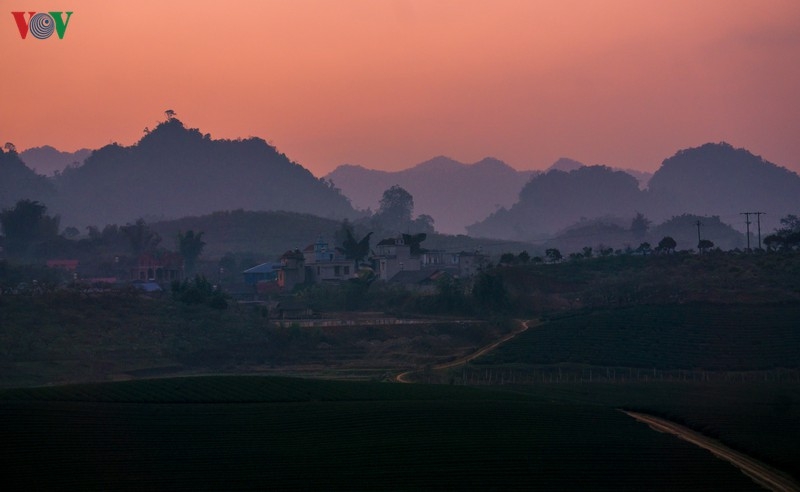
[278,433]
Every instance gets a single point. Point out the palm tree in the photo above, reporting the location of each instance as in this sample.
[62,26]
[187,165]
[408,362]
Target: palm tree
[414,241]
[190,246]
[355,250]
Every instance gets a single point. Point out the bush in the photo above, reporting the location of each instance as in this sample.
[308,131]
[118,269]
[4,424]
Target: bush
[199,291]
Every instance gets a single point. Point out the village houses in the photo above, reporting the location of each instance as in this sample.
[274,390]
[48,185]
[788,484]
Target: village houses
[391,261]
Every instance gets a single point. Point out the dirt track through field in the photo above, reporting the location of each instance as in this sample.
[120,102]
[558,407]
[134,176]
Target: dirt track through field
[762,474]
[523,325]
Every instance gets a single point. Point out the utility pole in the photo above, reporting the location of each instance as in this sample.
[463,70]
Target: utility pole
[758,219]
[747,221]
[698,233]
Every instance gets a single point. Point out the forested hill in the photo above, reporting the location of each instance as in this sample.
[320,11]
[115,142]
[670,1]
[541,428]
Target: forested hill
[718,179]
[174,171]
[714,179]
[552,201]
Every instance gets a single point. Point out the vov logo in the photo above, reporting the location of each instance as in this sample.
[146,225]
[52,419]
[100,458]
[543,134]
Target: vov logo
[41,25]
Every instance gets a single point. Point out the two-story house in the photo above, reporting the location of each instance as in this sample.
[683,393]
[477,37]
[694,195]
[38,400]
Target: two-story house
[392,256]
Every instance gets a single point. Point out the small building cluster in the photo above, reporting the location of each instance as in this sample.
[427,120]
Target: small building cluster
[392,261]
[147,272]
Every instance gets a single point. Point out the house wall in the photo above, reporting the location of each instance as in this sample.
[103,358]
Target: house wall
[292,273]
[332,271]
[389,267]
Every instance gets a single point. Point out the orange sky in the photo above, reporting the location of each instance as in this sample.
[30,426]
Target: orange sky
[388,84]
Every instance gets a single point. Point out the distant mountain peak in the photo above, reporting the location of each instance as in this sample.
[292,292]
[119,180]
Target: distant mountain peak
[492,163]
[48,160]
[439,163]
[170,131]
[566,164]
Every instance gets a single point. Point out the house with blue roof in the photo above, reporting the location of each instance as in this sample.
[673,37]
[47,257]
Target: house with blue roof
[265,272]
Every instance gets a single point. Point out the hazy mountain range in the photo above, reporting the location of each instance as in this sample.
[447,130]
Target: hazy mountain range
[174,172]
[714,179]
[453,193]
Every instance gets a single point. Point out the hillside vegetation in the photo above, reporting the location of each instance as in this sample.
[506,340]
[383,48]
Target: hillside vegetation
[664,279]
[710,337]
[289,434]
[73,336]
[709,341]
[267,235]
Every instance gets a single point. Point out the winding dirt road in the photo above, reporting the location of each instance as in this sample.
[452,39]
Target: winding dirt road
[762,474]
[523,325]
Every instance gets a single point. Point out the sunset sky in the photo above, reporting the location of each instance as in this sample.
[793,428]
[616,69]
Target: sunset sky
[389,84]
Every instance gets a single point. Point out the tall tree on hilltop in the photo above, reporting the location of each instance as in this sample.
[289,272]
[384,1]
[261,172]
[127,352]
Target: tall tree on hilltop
[190,246]
[639,225]
[553,255]
[141,238]
[396,208]
[704,245]
[667,244]
[787,237]
[26,224]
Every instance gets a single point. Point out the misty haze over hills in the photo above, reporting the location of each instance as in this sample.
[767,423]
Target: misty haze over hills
[453,193]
